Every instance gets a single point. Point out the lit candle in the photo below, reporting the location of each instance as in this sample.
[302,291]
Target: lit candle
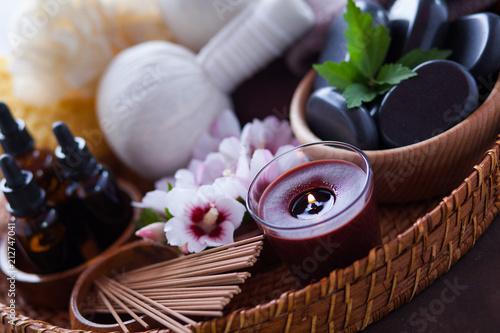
[312,203]
[318,214]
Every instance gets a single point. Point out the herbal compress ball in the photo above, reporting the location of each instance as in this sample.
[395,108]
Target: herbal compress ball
[154,101]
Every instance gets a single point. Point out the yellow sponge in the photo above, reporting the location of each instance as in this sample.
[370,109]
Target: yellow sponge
[78,114]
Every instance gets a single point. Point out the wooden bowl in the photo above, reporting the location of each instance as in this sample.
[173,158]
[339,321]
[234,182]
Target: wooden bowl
[422,170]
[129,256]
[54,290]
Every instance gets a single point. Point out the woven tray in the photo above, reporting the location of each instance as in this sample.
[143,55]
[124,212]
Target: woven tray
[422,240]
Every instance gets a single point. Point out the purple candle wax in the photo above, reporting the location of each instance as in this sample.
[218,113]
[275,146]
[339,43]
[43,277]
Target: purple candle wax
[320,216]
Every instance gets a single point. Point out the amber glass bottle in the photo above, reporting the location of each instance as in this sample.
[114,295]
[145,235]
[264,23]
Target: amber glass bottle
[41,235]
[18,142]
[92,192]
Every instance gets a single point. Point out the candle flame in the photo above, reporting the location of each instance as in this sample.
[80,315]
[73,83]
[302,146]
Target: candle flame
[311,198]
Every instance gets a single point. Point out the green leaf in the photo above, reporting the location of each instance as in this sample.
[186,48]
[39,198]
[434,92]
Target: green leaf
[168,214]
[169,186]
[383,88]
[339,75]
[418,56]
[393,74]
[367,46]
[364,75]
[147,217]
[356,94]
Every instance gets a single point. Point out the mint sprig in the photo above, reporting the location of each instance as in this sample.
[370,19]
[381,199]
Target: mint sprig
[365,76]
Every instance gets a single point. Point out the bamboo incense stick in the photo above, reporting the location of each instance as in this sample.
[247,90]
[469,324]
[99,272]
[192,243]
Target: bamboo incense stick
[188,296]
[202,289]
[201,313]
[203,270]
[215,280]
[255,239]
[136,294]
[113,312]
[121,304]
[198,284]
[236,259]
[149,310]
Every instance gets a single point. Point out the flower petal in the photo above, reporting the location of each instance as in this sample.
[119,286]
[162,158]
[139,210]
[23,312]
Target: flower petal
[270,133]
[215,165]
[226,235]
[177,231]
[155,200]
[196,245]
[177,200]
[185,178]
[225,186]
[230,148]
[154,231]
[233,210]
[206,144]
[162,184]
[226,125]
[283,149]
[259,158]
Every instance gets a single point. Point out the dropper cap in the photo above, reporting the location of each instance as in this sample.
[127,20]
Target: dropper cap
[14,137]
[25,198]
[73,153]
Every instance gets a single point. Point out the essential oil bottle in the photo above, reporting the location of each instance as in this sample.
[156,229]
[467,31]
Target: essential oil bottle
[18,142]
[41,235]
[92,192]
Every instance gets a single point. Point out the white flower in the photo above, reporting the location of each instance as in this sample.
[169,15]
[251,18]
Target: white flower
[203,217]
[155,200]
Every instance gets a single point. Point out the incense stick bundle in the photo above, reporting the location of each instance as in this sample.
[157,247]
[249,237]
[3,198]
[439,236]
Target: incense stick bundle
[199,284]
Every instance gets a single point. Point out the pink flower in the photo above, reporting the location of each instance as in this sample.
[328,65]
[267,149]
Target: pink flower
[204,202]
[204,217]
[248,168]
[269,133]
[216,164]
[226,125]
[153,231]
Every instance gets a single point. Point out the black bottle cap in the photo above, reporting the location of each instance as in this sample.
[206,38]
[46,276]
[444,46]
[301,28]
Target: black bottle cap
[25,198]
[73,154]
[14,137]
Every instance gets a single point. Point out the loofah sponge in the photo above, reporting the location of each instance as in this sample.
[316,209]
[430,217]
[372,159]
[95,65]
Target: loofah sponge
[61,49]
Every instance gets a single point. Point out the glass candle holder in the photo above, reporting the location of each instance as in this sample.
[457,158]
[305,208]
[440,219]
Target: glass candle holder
[316,206]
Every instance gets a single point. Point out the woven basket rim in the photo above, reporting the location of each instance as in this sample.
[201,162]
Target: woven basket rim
[339,278]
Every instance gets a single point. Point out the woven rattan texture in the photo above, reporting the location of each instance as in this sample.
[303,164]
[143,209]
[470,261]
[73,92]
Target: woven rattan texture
[421,242]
